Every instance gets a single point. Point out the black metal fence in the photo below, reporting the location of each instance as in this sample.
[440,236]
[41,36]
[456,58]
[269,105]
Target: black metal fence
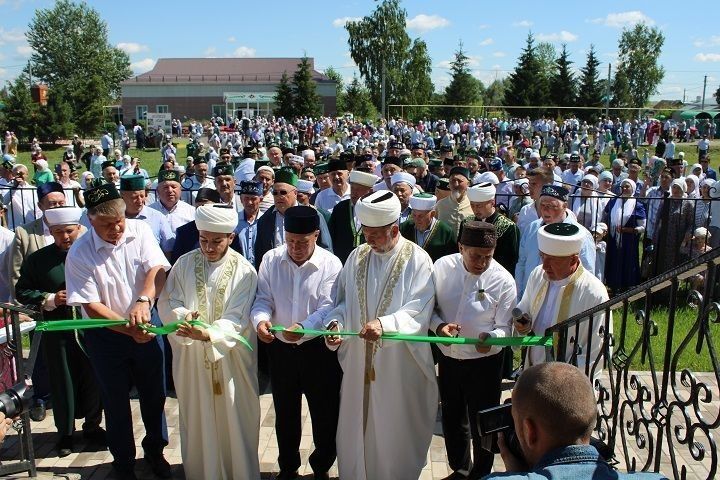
[654,414]
[13,367]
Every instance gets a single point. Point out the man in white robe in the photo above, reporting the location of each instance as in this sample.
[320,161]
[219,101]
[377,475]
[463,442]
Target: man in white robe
[215,376]
[388,397]
[559,288]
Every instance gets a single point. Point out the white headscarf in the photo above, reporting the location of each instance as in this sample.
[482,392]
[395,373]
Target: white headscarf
[696,181]
[83,179]
[622,211]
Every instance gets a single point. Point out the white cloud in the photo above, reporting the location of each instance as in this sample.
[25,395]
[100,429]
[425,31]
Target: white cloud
[210,52]
[142,66]
[244,52]
[483,26]
[563,36]
[443,64]
[624,19]
[424,23]
[131,47]
[2,72]
[711,42]
[523,23]
[11,36]
[486,42]
[499,54]
[24,51]
[231,39]
[340,22]
[707,57]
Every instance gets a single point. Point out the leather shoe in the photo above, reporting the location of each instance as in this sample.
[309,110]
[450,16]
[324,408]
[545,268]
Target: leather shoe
[64,446]
[287,475]
[159,466]
[321,476]
[124,474]
[96,436]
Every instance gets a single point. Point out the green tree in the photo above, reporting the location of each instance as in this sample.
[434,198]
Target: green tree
[547,56]
[717,95]
[284,102]
[495,93]
[21,113]
[335,76]
[562,83]
[70,45]
[590,92]
[640,74]
[358,101]
[526,85]
[379,43]
[90,119]
[305,98]
[464,89]
[57,117]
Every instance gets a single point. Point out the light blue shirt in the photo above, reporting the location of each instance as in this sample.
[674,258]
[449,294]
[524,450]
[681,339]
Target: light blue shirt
[247,233]
[245,172]
[159,225]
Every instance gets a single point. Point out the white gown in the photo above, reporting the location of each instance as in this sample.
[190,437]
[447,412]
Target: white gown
[396,287]
[219,427]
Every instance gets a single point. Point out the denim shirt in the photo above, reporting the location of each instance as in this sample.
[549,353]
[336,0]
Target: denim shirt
[574,462]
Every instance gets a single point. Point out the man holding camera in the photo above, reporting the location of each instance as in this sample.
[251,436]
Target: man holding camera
[556,445]
[474,296]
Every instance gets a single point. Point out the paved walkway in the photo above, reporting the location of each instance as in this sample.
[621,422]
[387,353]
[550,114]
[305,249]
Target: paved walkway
[96,464]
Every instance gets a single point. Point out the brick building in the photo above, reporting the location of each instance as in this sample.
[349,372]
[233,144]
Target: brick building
[195,88]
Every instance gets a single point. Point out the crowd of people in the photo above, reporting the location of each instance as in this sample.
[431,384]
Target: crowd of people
[408,228]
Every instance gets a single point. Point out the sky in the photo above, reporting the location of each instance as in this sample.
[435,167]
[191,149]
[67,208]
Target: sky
[493,34]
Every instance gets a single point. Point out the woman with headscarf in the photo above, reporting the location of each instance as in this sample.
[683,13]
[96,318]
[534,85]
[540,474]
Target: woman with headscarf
[625,218]
[43,174]
[671,236]
[694,196]
[584,203]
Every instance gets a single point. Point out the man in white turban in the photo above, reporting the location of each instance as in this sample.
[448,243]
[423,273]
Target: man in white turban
[388,398]
[215,374]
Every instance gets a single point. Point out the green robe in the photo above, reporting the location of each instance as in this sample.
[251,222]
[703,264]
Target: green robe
[440,241]
[72,383]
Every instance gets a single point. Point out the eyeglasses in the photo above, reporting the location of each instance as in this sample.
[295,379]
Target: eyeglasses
[282,193]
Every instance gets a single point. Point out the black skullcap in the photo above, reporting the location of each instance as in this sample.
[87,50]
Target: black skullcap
[223,169]
[208,195]
[168,176]
[101,194]
[393,161]
[555,191]
[107,163]
[478,234]
[301,219]
[335,165]
[459,171]
[47,188]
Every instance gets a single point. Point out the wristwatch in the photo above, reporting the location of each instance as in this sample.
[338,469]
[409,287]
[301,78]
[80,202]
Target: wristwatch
[143,298]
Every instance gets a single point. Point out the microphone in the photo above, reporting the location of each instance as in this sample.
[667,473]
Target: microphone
[520,317]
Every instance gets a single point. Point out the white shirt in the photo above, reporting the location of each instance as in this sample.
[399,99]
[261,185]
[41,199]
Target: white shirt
[69,194]
[327,199]
[527,215]
[98,271]
[479,303]
[178,216]
[6,241]
[289,294]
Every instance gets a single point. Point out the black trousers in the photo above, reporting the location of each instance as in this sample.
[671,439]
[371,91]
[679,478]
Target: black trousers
[466,387]
[311,369]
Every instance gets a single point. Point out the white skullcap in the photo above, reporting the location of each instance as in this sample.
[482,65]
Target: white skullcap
[298,159]
[265,168]
[216,218]
[362,178]
[423,201]
[701,232]
[304,186]
[560,239]
[488,177]
[535,155]
[522,181]
[481,192]
[62,216]
[528,150]
[378,209]
[402,177]
[600,227]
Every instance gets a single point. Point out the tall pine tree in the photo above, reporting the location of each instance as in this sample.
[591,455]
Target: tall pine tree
[527,85]
[305,98]
[20,111]
[562,83]
[284,102]
[590,92]
[464,89]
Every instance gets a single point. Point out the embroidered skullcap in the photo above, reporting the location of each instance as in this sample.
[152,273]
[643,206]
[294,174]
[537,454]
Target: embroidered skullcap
[248,187]
[221,169]
[560,239]
[63,216]
[168,176]
[554,191]
[265,168]
[423,201]
[100,194]
[305,186]
[362,178]
[481,192]
[378,209]
[216,218]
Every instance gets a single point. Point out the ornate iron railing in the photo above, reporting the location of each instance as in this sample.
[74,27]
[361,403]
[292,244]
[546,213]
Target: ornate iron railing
[654,414]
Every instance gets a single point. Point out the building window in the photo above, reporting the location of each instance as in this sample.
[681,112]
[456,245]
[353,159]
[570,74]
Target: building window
[141,112]
[162,109]
[218,110]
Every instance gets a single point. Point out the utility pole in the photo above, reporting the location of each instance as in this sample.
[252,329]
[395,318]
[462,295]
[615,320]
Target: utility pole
[684,91]
[607,93]
[702,101]
[382,90]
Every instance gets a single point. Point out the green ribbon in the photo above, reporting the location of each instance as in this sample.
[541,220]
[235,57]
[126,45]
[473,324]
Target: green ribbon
[86,323]
[526,341]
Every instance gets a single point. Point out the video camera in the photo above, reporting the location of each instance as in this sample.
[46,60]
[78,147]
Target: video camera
[17,399]
[498,419]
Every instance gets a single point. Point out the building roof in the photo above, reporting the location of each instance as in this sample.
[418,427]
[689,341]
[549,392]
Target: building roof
[241,70]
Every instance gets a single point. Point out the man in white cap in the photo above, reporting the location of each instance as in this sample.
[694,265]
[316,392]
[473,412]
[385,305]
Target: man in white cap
[403,184]
[41,284]
[433,235]
[559,288]
[215,375]
[304,191]
[553,209]
[339,190]
[344,225]
[388,398]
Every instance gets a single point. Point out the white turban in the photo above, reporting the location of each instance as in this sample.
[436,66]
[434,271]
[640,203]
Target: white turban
[216,218]
[62,216]
[562,239]
[378,209]
[402,177]
[488,177]
[481,192]
[305,186]
[362,178]
[423,201]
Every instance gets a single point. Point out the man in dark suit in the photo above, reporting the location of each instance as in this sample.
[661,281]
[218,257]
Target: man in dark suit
[344,227]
